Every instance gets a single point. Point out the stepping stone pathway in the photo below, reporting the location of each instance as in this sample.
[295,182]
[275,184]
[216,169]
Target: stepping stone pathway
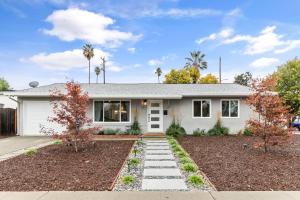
[160,168]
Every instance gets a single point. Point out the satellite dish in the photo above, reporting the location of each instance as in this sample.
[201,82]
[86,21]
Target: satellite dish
[34,84]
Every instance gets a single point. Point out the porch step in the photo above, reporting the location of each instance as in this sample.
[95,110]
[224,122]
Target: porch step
[154,135]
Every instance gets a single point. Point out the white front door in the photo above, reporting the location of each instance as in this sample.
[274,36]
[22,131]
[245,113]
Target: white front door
[155,116]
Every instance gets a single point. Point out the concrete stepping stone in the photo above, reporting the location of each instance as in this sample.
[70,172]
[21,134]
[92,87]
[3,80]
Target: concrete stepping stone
[161,172]
[160,163]
[157,144]
[158,152]
[157,147]
[156,141]
[163,184]
[159,157]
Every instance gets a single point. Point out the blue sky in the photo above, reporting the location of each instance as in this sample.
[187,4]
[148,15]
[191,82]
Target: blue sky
[41,40]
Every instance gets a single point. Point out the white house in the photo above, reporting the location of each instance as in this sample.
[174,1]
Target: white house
[153,105]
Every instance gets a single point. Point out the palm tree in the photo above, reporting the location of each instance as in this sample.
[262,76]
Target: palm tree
[197,62]
[158,72]
[88,52]
[97,71]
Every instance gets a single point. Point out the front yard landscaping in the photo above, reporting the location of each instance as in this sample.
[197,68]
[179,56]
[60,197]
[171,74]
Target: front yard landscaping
[58,167]
[232,165]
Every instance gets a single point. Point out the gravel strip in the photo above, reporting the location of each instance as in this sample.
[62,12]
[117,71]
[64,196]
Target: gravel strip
[136,172]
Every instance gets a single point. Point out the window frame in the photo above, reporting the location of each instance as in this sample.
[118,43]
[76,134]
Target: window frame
[120,122]
[229,117]
[197,117]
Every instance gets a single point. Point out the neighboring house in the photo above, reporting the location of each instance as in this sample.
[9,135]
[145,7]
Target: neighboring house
[153,105]
[6,102]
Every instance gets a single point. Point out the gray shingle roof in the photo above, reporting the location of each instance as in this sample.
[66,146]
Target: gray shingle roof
[143,90]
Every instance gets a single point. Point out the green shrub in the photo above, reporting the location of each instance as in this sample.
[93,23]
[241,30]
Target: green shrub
[140,142]
[175,129]
[189,167]
[110,131]
[136,151]
[199,132]
[172,142]
[177,148]
[134,161]
[196,180]
[185,160]
[57,142]
[218,129]
[247,132]
[128,179]
[31,151]
[135,128]
[181,154]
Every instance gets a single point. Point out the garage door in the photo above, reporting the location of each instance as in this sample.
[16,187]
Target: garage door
[35,115]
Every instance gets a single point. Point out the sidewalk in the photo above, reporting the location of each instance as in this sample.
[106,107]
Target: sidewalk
[150,195]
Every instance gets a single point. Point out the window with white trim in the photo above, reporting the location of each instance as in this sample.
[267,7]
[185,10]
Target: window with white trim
[230,108]
[201,108]
[112,111]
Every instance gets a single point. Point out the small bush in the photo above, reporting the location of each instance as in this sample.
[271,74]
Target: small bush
[185,160]
[218,129]
[128,179]
[140,142]
[136,151]
[189,167]
[196,180]
[31,152]
[172,142]
[57,142]
[247,132]
[177,148]
[181,154]
[110,131]
[135,128]
[199,132]
[175,129]
[134,161]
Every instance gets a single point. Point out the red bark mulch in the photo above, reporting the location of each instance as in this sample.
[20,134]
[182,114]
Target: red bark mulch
[59,167]
[230,167]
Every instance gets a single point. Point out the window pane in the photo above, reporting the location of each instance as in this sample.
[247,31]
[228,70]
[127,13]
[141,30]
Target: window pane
[234,108]
[225,108]
[125,111]
[154,125]
[197,108]
[111,111]
[155,104]
[154,119]
[154,111]
[98,109]
[205,108]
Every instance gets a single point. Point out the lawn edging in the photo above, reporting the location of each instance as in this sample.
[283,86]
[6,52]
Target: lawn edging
[199,172]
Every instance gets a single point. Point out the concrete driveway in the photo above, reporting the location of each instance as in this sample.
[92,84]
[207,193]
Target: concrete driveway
[13,144]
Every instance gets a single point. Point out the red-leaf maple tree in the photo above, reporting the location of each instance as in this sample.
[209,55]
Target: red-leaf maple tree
[272,122]
[70,111]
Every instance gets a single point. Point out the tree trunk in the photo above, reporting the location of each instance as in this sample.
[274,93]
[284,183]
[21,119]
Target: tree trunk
[97,79]
[89,71]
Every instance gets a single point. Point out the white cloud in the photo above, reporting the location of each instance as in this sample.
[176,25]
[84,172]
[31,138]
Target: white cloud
[131,50]
[266,41]
[224,33]
[76,24]
[161,61]
[176,12]
[68,60]
[154,62]
[264,62]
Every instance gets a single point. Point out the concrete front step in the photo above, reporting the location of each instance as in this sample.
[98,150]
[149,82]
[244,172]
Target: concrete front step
[163,184]
[160,164]
[162,172]
[157,141]
[159,157]
[159,152]
[157,144]
[157,147]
